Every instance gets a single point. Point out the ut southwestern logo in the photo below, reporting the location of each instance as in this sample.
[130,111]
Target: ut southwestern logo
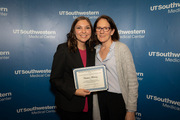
[79,13]
[34,73]
[172,7]
[169,56]
[75,14]
[166,102]
[128,34]
[34,34]
[38,110]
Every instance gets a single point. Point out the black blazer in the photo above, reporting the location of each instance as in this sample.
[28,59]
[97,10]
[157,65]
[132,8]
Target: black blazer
[62,78]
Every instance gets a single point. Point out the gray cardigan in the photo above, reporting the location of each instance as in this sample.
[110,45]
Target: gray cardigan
[127,79]
[127,75]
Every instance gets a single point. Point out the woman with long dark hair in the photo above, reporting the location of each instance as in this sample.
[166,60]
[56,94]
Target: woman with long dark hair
[73,104]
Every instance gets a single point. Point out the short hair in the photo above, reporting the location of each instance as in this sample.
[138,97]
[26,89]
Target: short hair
[115,36]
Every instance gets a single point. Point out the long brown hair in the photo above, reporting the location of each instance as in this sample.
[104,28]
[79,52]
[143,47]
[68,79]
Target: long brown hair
[115,36]
[71,37]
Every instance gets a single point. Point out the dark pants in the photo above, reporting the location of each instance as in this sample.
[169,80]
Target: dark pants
[112,106]
[65,115]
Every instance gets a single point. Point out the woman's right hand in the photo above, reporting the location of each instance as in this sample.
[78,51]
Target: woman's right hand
[82,92]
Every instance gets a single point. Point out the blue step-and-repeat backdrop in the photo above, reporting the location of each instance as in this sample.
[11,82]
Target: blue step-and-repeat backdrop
[30,31]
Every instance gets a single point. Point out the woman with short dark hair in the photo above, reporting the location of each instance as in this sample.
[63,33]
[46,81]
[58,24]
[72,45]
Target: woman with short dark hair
[119,102]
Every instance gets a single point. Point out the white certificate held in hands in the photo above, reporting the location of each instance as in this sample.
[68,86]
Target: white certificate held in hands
[91,78]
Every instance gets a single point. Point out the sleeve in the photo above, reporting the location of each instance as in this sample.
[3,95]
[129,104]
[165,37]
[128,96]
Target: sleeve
[131,78]
[57,78]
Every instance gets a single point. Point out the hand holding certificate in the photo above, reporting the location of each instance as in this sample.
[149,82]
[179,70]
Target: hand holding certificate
[91,78]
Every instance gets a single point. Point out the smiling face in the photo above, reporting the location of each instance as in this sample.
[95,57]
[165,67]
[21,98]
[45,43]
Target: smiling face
[82,31]
[103,36]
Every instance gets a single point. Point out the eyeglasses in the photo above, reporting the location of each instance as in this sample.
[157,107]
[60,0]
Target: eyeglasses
[105,29]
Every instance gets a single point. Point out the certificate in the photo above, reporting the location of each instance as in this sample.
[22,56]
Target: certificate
[91,78]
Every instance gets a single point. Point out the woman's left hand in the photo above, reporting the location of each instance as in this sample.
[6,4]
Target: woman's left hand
[130,116]
[82,92]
